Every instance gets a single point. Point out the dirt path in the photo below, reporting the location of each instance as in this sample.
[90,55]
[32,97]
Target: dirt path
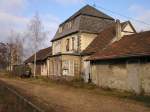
[60,98]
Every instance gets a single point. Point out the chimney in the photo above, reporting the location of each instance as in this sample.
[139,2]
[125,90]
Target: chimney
[118,30]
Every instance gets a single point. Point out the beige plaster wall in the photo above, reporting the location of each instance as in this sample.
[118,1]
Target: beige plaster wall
[59,46]
[82,40]
[86,39]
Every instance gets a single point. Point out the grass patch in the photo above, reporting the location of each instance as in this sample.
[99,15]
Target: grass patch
[7,74]
[140,98]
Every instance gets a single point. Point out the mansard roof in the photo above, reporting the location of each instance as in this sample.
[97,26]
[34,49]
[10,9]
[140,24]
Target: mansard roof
[135,45]
[88,19]
[89,11]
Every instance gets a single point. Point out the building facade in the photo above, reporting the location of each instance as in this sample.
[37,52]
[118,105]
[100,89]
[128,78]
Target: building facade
[72,37]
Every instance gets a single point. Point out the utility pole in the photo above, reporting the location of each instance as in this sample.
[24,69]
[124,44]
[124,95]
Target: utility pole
[36,27]
[35,55]
[37,35]
[34,65]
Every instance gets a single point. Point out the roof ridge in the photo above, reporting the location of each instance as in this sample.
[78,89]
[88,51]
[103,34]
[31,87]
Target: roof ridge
[83,11]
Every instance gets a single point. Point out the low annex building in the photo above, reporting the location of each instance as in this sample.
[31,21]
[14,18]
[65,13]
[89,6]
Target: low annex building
[124,64]
[42,66]
[113,33]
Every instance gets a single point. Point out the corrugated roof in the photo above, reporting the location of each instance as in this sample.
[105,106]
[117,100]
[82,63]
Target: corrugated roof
[132,45]
[40,55]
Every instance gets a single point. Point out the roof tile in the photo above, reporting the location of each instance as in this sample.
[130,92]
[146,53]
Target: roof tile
[131,45]
[40,55]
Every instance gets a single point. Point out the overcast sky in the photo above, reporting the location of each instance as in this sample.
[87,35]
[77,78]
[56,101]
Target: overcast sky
[15,14]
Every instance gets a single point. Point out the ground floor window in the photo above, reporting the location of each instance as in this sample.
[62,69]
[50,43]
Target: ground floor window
[68,67]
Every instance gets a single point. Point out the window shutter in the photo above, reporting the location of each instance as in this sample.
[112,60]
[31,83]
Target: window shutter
[67,45]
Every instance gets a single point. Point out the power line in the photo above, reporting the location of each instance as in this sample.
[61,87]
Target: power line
[123,15]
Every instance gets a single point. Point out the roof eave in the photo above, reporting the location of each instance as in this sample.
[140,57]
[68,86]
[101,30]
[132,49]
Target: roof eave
[117,57]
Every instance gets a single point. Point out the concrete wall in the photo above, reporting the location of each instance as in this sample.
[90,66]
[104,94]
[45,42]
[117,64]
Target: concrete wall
[145,77]
[126,76]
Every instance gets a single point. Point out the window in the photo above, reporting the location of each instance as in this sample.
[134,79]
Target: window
[57,46]
[68,67]
[69,24]
[67,45]
[73,40]
[60,29]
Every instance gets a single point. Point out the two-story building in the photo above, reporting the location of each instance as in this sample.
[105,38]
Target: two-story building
[79,37]
[72,37]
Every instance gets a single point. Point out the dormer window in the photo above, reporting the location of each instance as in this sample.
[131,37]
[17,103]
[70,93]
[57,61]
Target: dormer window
[69,24]
[60,29]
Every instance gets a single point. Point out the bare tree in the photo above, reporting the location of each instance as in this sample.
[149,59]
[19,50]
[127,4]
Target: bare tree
[15,46]
[3,56]
[35,36]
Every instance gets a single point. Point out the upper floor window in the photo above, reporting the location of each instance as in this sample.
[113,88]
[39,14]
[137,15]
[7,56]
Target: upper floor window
[57,46]
[69,24]
[73,43]
[67,45]
[60,29]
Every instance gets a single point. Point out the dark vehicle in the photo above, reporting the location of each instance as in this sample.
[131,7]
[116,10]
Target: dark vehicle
[23,71]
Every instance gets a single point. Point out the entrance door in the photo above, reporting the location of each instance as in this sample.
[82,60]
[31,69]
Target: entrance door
[86,74]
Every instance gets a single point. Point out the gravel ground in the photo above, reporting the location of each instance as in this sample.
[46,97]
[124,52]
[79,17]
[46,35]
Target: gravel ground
[62,98]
